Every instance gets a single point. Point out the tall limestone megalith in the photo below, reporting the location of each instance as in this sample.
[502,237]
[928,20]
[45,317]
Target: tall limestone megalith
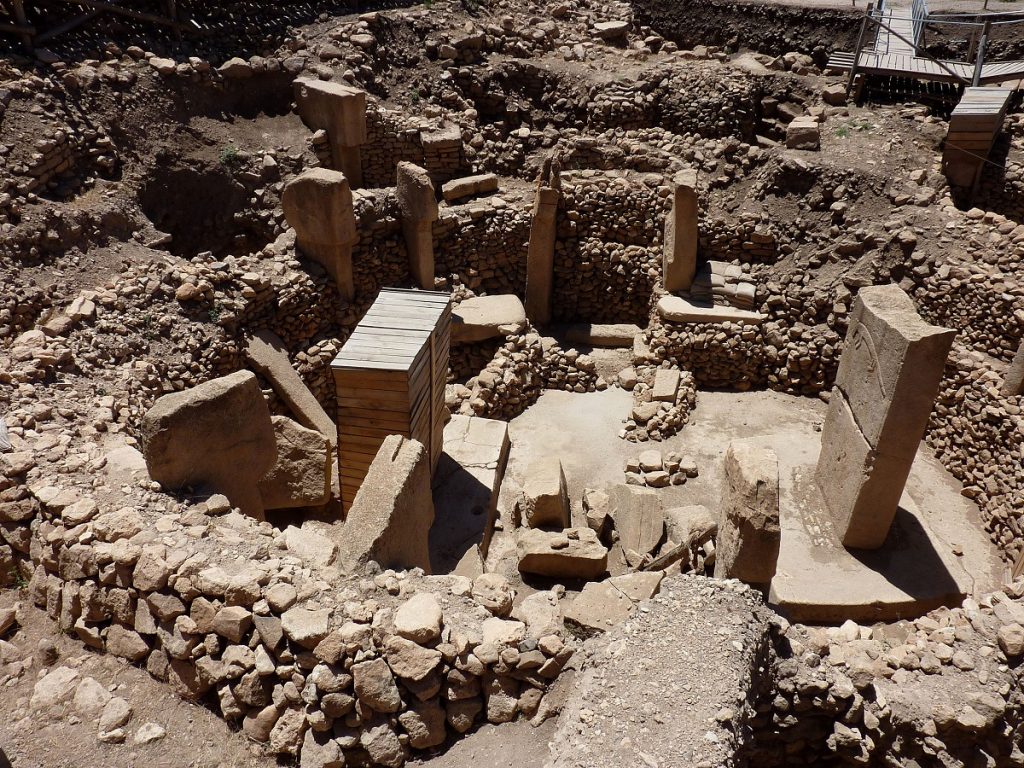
[888,377]
[679,260]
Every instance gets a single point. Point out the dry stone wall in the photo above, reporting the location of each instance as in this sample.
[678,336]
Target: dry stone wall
[256,622]
[480,246]
[608,249]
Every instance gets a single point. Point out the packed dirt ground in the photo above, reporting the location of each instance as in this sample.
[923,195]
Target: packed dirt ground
[145,241]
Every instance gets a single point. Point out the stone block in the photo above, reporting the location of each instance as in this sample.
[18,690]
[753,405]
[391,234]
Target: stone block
[803,133]
[301,476]
[341,111]
[215,437]
[619,335]
[540,257]
[545,499]
[318,206]
[574,553]
[487,317]
[749,534]
[417,206]
[638,518]
[468,186]
[666,384]
[392,513]
[675,309]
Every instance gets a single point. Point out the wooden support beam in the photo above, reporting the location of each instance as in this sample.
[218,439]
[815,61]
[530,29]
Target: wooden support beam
[101,6]
[980,61]
[860,44]
[66,26]
[21,20]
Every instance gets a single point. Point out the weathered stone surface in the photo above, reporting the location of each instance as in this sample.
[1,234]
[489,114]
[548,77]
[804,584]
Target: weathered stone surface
[750,533]
[468,186]
[318,206]
[375,686]
[545,500]
[487,317]
[341,111]
[217,436]
[1013,378]
[541,612]
[301,476]
[540,258]
[803,133]
[306,627]
[419,618]
[638,518]
[390,518]
[679,261]
[320,750]
[666,384]
[602,334]
[126,643]
[56,687]
[410,660]
[494,592]
[268,355]
[676,309]
[887,380]
[572,553]
[424,723]
[417,206]
[598,608]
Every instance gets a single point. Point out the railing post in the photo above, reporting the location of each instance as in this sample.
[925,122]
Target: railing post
[860,43]
[980,61]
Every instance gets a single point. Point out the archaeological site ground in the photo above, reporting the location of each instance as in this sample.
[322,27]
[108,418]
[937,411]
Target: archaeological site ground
[512,383]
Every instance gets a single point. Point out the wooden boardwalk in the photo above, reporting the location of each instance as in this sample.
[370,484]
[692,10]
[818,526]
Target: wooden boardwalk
[897,52]
[973,127]
[390,377]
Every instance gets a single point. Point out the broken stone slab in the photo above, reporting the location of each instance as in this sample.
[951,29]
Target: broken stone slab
[888,377]
[267,354]
[487,317]
[341,111]
[318,206]
[613,335]
[750,534]
[575,553]
[392,513]
[469,186]
[666,385]
[216,437]
[638,518]
[803,133]
[676,309]
[545,500]
[301,476]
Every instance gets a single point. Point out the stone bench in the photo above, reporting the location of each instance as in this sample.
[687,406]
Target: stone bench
[675,309]
[487,317]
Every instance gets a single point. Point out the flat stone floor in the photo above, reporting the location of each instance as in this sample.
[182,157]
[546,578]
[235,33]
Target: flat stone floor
[582,431]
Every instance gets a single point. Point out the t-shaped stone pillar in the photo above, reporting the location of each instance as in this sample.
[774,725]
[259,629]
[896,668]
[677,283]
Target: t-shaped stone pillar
[540,257]
[679,263]
[318,206]
[417,205]
[341,111]
[888,377]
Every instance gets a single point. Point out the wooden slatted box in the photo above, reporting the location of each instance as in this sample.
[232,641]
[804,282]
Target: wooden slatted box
[390,377]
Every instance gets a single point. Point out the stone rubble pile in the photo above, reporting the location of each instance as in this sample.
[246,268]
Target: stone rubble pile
[662,401]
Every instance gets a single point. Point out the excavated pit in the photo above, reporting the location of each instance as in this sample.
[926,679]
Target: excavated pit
[163,211]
